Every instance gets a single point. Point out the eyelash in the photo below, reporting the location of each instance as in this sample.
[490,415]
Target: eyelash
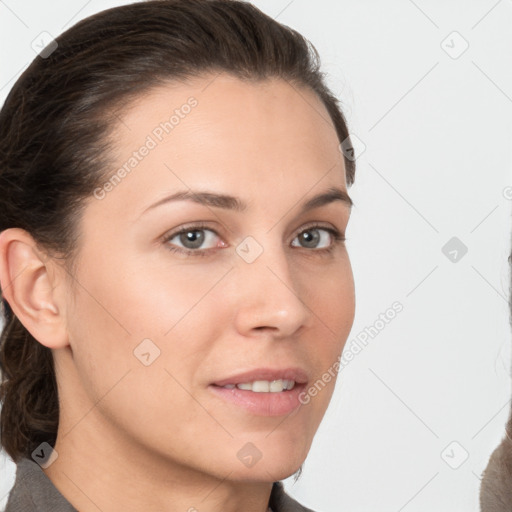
[336,235]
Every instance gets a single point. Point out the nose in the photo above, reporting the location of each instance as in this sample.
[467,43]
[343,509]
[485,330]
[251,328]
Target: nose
[268,297]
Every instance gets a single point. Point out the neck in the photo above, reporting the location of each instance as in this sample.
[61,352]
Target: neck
[104,473]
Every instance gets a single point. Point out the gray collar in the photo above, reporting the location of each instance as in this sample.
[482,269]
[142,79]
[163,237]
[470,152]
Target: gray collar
[33,491]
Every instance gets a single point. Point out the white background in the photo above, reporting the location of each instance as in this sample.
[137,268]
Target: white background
[437,161]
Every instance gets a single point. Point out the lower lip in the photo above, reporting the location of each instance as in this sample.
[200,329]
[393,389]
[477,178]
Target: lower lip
[262,404]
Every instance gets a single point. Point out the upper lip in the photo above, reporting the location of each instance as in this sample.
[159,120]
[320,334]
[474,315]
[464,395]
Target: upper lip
[296,374]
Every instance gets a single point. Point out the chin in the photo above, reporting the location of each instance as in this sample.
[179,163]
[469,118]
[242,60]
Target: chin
[270,472]
[267,461]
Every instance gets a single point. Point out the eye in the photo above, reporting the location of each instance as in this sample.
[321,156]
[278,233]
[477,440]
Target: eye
[199,240]
[193,238]
[318,237]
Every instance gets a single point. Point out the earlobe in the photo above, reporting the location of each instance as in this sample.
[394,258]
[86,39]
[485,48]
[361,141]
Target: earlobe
[29,284]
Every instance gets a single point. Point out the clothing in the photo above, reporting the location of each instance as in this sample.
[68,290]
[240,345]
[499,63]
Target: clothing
[496,486]
[33,491]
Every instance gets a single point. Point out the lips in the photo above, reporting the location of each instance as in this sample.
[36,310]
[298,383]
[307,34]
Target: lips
[260,392]
[297,375]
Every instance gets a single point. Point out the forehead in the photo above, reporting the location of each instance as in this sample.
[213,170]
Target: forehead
[220,132]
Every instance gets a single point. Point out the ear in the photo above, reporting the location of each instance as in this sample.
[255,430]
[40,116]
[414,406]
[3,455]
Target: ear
[33,288]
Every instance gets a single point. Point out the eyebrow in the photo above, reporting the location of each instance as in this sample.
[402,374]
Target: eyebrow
[228,202]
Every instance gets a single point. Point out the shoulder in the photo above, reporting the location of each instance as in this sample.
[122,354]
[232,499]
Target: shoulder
[281,502]
[496,487]
[34,491]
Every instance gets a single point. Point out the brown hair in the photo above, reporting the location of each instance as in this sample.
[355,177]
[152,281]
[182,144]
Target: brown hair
[53,151]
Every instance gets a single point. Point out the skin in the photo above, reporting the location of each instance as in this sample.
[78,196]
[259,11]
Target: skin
[134,437]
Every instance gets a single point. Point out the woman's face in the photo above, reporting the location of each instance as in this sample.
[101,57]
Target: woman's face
[256,288]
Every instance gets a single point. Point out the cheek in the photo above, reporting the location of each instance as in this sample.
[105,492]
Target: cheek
[123,304]
[100,342]
[330,295]
[331,298]
[111,335]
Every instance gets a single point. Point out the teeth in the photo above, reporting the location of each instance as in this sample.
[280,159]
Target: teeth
[265,386]
[261,386]
[291,384]
[276,386]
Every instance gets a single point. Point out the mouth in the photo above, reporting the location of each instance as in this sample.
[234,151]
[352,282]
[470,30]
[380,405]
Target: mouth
[263,392]
[264,386]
